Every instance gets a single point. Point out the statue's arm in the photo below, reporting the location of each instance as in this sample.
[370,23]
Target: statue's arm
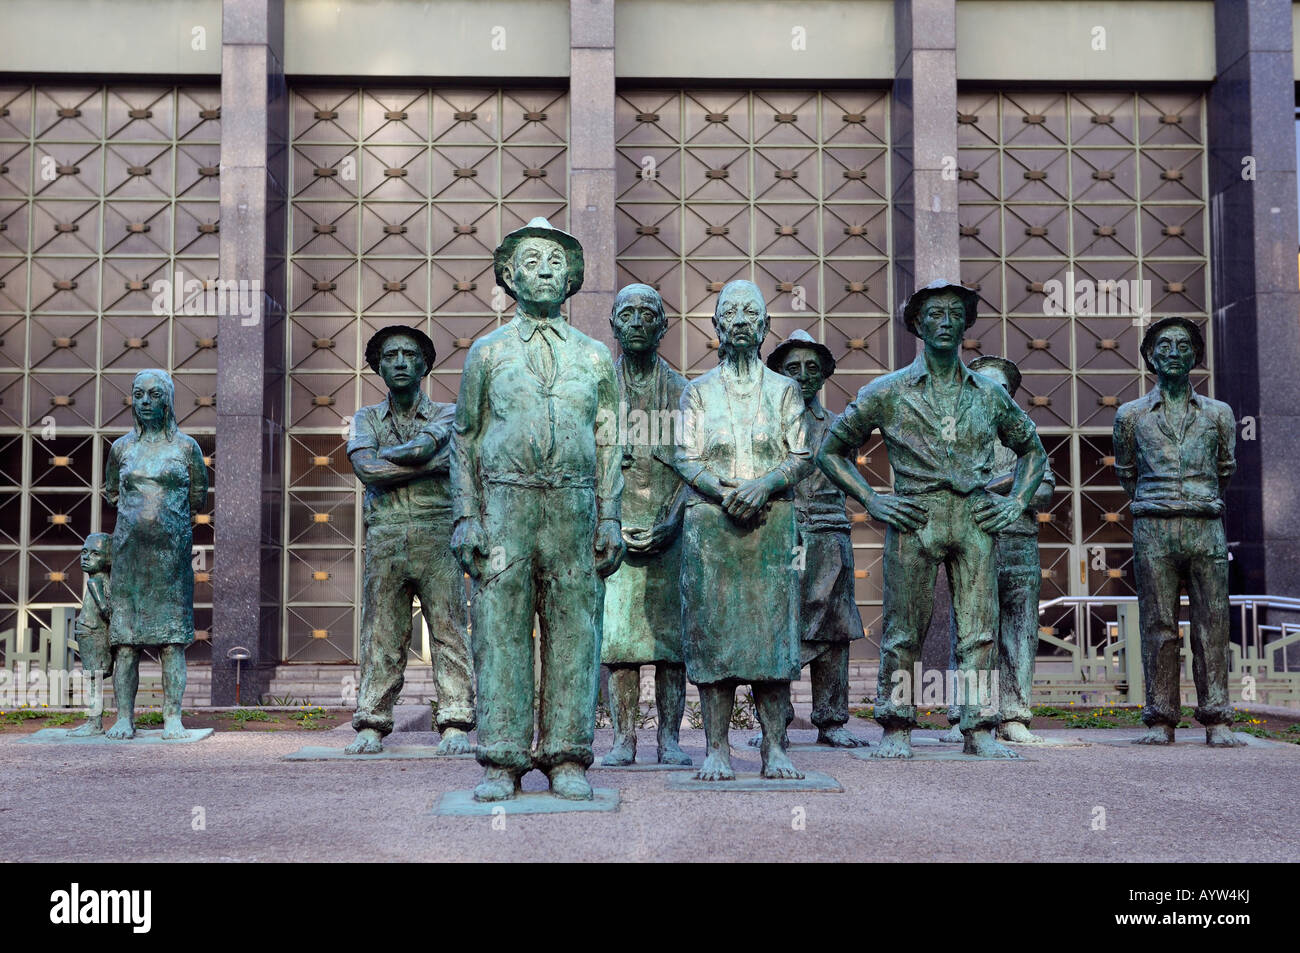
[1227,448]
[1125,445]
[1018,432]
[847,432]
[799,455]
[198,479]
[112,475]
[689,460]
[609,453]
[466,433]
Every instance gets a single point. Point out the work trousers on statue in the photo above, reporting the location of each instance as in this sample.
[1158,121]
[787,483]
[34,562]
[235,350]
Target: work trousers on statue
[542,565]
[403,562]
[1168,553]
[949,537]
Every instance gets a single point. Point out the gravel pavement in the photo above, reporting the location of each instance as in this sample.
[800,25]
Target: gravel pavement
[1185,803]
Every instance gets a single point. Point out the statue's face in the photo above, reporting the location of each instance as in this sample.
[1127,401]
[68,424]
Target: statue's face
[639,322]
[93,559]
[1173,352]
[539,272]
[401,362]
[149,398]
[805,366]
[741,318]
[942,320]
[995,373]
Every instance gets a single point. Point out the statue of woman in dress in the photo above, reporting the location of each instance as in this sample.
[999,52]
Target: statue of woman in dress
[744,446]
[157,481]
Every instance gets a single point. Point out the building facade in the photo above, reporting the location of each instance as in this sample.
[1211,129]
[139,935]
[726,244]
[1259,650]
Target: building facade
[241,191]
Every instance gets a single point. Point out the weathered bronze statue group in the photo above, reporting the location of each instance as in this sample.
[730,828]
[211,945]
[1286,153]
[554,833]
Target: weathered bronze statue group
[698,526]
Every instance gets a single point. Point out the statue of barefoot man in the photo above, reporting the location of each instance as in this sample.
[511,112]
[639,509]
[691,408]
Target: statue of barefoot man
[828,619]
[643,604]
[1020,580]
[537,518]
[941,424]
[156,479]
[401,451]
[743,448]
[1174,456]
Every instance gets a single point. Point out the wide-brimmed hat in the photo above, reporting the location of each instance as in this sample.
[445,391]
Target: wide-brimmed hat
[375,346]
[1153,332]
[1007,367]
[801,338]
[539,228]
[969,298]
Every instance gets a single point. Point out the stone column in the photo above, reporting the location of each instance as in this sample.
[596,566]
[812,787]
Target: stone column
[250,348]
[1253,238]
[591,161]
[923,133]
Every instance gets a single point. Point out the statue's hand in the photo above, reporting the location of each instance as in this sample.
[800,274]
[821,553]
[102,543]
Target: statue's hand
[995,513]
[905,515]
[468,540]
[637,540]
[608,546]
[743,502]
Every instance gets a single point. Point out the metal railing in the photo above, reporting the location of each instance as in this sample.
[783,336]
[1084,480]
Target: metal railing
[1098,657]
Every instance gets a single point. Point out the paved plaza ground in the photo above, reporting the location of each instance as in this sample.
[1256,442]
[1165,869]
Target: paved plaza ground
[139,803]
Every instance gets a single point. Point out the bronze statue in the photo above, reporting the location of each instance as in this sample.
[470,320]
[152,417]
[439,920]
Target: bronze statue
[829,619]
[1020,580]
[941,424]
[91,628]
[156,479]
[1174,456]
[743,448]
[401,450]
[537,517]
[643,606]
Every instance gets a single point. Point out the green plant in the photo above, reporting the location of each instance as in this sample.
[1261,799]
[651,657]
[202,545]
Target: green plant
[242,716]
[743,713]
[61,718]
[694,717]
[151,717]
[281,701]
[603,719]
[308,718]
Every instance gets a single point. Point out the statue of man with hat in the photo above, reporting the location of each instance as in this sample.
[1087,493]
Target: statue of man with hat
[828,618]
[400,450]
[537,498]
[1020,581]
[941,425]
[1174,453]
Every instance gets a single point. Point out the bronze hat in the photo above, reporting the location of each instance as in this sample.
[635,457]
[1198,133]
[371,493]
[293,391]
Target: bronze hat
[969,298]
[801,338]
[1008,368]
[539,227]
[1149,338]
[375,346]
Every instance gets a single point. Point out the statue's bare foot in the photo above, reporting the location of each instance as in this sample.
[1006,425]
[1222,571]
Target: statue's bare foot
[498,784]
[1018,734]
[897,743]
[454,741]
[671,753]
[954,736]
[756,741]
[368,741]
[982,744]
[716,767]
[569,781]
[1222,736]
[1157,735]
[93,726]
[777,766]
[623,753]
[840,737]
[173,730]
[123,730]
